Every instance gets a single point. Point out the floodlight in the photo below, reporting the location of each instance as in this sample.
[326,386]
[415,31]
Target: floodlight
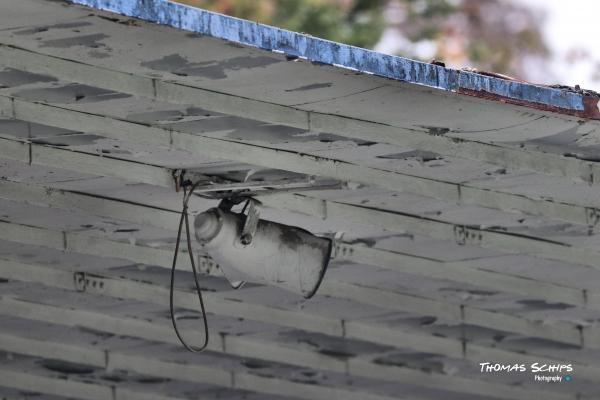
[248,248]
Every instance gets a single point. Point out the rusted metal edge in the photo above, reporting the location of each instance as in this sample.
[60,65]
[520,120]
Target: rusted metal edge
[296,45]
[591,104]
[582,104]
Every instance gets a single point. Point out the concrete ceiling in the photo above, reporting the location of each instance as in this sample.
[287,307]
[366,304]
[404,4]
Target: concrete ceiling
[465,220]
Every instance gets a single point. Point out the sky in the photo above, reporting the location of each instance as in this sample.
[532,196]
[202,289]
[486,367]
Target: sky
[572,32]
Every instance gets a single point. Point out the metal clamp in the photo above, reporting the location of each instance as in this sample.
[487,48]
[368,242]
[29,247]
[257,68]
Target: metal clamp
[592,216]
[251,222]
[80,284]
[178,175]
[466,235]
[84,282]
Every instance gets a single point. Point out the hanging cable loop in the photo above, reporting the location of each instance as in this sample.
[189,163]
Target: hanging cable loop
[184,221]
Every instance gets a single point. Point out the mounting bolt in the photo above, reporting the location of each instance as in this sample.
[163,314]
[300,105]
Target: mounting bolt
[80,281]
[246,239]
[178,175]
[460,234]
[592,216]
[465,235]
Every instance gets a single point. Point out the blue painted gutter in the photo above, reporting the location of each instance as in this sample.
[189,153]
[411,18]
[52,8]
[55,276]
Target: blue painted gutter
[565,101]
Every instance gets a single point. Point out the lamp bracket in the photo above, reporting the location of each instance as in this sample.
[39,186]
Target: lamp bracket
[227,203]
[251,221]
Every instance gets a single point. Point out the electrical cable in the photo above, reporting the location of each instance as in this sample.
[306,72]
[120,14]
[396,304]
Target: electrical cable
[245,206]
[184,220]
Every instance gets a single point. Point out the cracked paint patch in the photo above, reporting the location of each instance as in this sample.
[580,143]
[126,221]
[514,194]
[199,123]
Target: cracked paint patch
[10,77]
[310,87]
[64,25]
[212,69]
[93,41]
[421,155]
[71,93]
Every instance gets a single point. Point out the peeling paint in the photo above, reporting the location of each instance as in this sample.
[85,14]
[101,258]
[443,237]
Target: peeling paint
[22,129]
[436,130]
[179,65]
[98,54]
[40,29]
[320,51]
[543,305]
[92,41]
[65,367]
[423,361]
[421,155]
[10,77]
[71,93]
[582,107]
[310,87]
[68,140]
[328,322]
[166,116]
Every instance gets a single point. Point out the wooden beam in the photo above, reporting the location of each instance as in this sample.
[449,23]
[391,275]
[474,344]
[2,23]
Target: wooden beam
[85,243]
[195,372]
[219,304]
[17,57]
[106,358]
[192,372]
[315,165]
[462,272]
[312,164]
[26,381]
[165,218]
[504,241]
[468,272]
[395,221]
[564,332]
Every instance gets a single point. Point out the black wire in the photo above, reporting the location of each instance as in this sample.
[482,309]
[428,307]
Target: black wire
[245,206]
[185,218]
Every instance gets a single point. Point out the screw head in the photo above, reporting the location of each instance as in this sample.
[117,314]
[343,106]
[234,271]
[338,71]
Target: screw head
[246,239]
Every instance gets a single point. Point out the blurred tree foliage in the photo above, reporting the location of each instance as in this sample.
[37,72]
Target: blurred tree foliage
[492,35]
[356,22]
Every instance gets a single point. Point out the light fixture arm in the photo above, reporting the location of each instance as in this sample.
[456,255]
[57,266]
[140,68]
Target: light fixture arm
[251,221]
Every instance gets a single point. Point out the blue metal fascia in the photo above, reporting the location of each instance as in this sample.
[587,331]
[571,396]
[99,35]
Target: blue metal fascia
[327,52]
[525,92]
